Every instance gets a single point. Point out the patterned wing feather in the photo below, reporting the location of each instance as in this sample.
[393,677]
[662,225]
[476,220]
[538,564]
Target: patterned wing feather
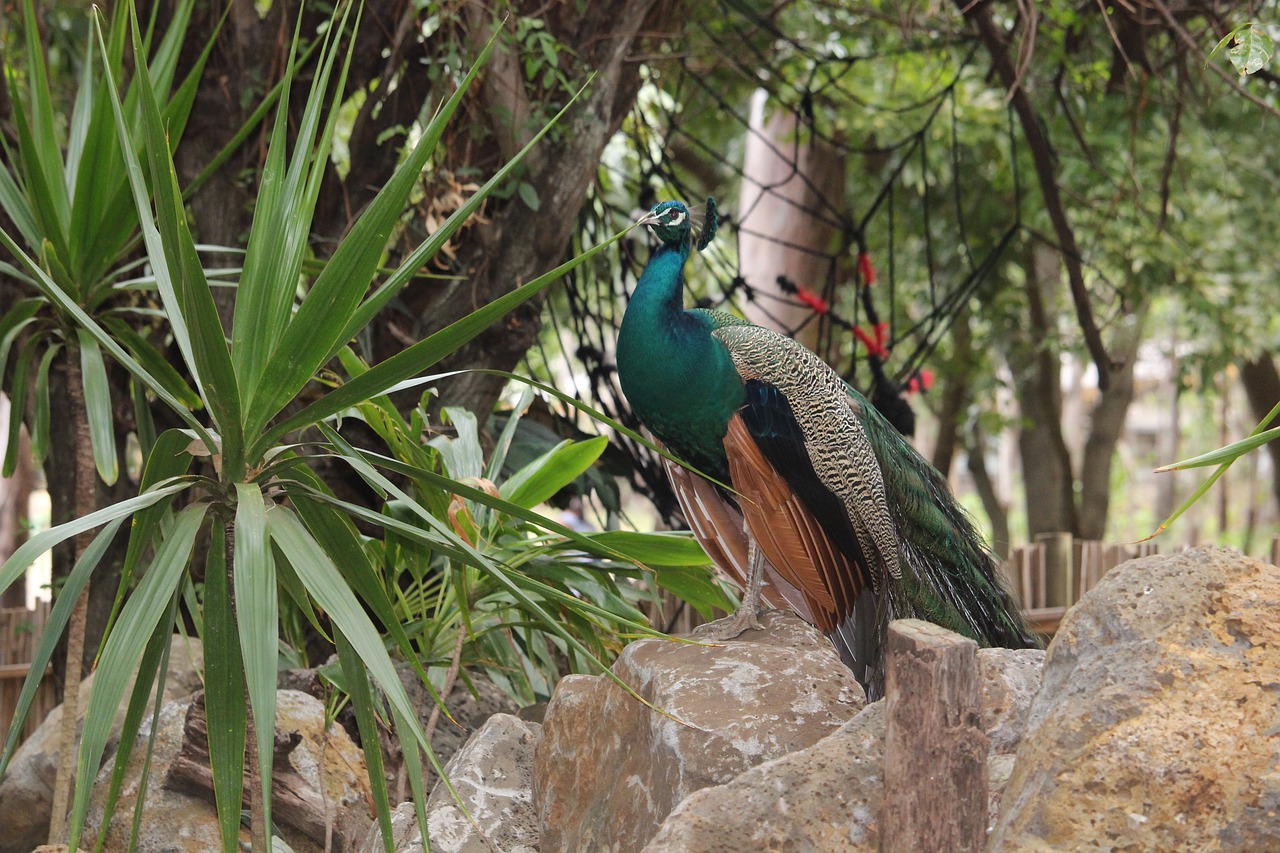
[790,381]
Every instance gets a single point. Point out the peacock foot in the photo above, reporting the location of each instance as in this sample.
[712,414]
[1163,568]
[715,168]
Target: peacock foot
[743,619]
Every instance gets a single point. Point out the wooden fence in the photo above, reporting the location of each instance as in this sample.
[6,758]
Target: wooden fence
[20,631]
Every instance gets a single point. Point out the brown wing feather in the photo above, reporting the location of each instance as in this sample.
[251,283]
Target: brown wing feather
[793,542]
[718,527]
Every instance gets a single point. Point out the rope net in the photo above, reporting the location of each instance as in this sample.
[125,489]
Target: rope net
[896,260]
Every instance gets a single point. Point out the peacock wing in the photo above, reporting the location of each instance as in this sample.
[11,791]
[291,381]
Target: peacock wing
[801,415]
[799,451]
[718,526]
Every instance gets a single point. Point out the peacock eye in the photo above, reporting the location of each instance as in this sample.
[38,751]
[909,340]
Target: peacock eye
[675,217]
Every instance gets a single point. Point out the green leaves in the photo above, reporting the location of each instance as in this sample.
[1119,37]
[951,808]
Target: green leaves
[1251,49]
[552,471]
[97,407]
[73,216]
[138,620]
[258,620]
[1224,458]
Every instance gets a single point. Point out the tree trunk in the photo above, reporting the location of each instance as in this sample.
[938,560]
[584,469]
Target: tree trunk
[511,243]
[788,218]
[247,61]
[1261,383]
[1046,462]
[958,373]
[83,502]
[976,455]
[1106,423]
[517,244]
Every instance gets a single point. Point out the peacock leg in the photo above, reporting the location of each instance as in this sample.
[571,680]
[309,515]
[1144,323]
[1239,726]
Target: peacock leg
[748,612]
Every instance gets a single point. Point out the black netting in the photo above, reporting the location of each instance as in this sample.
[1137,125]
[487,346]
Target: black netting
[892,285]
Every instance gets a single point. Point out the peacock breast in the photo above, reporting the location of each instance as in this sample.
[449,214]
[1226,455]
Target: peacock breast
[682,385]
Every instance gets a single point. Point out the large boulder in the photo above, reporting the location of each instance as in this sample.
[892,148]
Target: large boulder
[1158,725]
[492,775]
[610,768]
[828,797]
[26,792]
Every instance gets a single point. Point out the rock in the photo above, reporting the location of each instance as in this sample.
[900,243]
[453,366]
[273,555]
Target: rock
[609,769]
[493,776]
[405,837]
[1158,725]
[825,797]
[828,797]
[170,822]
[1010,681]
[26,792]
[469,710]
[321,770]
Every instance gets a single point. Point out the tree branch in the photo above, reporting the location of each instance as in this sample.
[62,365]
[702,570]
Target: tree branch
[979,15]
[1185,37]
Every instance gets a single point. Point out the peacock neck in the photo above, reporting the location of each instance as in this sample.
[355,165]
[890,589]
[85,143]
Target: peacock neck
[677,377]
[659,295]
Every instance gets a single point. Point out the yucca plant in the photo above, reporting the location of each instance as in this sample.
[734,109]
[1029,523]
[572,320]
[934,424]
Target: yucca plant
[73,214]
[240,475]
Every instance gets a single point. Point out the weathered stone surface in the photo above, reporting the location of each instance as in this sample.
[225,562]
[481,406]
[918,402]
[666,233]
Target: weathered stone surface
[493,776]
[609,769]
[471,702]
[26,792]
[325,760]
[405,837]
[825,797]
[1158,726]
[1010,681]
[828,797]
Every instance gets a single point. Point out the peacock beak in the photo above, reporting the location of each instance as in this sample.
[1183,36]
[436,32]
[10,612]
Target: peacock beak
[650,218]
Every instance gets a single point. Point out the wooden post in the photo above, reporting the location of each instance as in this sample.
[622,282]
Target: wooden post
[935,750]
[1059,589]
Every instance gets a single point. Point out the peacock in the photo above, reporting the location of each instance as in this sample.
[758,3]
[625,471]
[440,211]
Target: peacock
[828,510]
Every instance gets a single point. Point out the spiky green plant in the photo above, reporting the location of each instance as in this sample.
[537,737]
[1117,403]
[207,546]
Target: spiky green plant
[239,475]
[459,616]
[73,214]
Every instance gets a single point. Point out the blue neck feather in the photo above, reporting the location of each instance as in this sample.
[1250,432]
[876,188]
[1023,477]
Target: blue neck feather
[677,377]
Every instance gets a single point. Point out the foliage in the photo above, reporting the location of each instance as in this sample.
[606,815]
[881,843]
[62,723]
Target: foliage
[234,494]
[1251,48]
[73,214]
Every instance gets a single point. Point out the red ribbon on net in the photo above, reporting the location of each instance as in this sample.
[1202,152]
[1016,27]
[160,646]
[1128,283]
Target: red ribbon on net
[865,269]
[875,346]
[815,302]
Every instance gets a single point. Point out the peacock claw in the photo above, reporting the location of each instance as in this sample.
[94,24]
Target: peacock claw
[733,626]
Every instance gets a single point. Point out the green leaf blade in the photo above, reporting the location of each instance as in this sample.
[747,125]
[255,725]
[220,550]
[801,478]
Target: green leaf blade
[142,612]
[257,621]
[97,407]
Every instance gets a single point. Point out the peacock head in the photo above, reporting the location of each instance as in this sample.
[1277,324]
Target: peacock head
[675,223]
